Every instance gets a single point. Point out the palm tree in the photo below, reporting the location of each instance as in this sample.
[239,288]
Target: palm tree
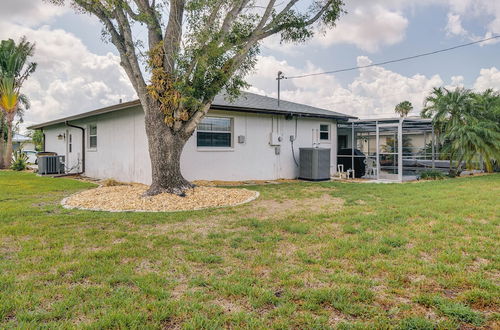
[14,70]
[403,108]
[469,122]
[3,136]
[486,106]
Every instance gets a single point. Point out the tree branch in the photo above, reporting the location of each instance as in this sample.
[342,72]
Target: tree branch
[266,15]
[151,20]
[274,27]
[126,32]
[173,34]
[131,13]
[231,17]
[285,10]
[193,122]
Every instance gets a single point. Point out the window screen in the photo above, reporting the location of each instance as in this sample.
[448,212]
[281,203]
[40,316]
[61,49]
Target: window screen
[324,132]
[93,136]
[214,132]
[342,142]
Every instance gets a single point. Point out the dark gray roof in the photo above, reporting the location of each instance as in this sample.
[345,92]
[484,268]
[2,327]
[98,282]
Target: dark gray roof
[246,102]
[267,104]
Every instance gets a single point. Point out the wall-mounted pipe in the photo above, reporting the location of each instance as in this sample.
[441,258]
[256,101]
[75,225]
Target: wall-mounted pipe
[83,144]
[292,139]
[43,139]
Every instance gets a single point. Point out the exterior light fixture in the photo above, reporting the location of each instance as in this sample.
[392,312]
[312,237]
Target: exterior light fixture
[60,137]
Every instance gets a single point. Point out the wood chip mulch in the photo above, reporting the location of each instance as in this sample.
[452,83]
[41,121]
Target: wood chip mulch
[130,198]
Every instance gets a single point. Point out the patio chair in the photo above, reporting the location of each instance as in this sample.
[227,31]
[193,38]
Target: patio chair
[340,171]
[371,168]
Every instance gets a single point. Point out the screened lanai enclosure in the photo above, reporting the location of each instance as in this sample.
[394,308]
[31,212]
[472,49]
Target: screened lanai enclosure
[391,149]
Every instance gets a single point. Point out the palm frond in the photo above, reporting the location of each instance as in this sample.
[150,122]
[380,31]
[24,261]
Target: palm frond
[469,121]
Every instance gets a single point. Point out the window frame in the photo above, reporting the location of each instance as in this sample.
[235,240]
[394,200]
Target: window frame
[329,131]
[215,148]
[89,135]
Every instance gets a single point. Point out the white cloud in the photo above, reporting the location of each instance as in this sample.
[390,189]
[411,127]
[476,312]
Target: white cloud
[368,27]
[488,78]
[371,25]
[29,12]
[454,25]
[457,81]
[69,78]
[373,93]
[486,12]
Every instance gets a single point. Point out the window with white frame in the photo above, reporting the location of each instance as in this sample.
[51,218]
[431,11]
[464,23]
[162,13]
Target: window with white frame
[92,129]
[324,132]
[215,132]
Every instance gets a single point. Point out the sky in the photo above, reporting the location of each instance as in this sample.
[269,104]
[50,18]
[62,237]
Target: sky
[78,71]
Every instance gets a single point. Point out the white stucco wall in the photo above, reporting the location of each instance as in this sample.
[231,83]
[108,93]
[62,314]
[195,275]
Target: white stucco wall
[122,150]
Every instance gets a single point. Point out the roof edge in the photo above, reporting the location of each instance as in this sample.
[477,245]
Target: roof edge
[276,112]
[130,104]
[100,111]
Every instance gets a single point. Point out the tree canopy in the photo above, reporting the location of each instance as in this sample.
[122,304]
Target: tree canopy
[15,68]
[468,123]
[193,50]
[403,108]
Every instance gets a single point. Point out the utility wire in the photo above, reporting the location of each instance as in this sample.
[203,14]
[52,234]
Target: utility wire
[393,61]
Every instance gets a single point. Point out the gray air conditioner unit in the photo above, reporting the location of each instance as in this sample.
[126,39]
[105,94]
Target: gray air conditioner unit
[314,164]
[50,165]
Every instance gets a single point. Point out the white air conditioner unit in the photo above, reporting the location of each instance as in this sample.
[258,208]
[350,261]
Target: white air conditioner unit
[314,164]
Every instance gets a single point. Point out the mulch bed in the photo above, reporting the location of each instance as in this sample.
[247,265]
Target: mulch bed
[130,198]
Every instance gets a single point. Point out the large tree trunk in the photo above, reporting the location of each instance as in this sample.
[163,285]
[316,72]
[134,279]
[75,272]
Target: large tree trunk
[2,141]
[165,149]
[2,147]
[8,150]
[454,172]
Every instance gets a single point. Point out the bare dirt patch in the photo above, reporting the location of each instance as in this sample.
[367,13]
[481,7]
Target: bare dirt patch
[130,198]
[274,208]
[9,248]
[267,209]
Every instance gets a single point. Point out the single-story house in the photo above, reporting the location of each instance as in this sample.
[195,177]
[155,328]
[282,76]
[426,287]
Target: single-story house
[22,142]
[250,138]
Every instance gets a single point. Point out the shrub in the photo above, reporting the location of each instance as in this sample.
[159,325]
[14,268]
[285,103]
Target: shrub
[19,161]
[432,175]
[111,183]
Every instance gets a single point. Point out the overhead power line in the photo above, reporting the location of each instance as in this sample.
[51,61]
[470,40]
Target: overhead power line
[393,61]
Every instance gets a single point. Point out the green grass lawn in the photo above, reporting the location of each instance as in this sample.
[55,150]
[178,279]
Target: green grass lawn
[304,255]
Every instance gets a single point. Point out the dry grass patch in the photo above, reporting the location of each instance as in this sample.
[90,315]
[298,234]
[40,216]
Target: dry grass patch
[271,208]
[263,209]
[241,183]
[130,198]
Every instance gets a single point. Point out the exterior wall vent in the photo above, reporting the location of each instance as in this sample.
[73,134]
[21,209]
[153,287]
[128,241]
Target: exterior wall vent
[314,164]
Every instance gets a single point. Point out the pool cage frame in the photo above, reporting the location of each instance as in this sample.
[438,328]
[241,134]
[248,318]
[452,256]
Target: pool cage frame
[397,162]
